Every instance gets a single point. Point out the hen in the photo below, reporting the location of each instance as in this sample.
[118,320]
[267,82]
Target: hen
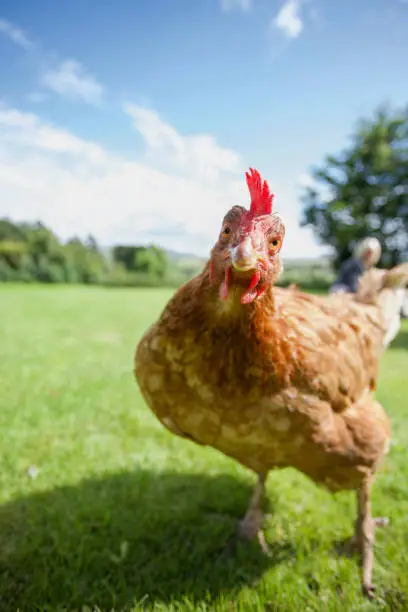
[272,377]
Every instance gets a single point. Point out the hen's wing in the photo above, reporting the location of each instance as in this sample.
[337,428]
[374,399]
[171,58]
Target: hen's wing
[339,341]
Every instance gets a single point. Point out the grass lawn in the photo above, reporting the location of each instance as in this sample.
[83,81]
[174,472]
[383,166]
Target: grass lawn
[102,509]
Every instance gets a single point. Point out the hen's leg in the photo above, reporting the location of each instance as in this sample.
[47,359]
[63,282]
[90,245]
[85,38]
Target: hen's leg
[250,527]
[365,535]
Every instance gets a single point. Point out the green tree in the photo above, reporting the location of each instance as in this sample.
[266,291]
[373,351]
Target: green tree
[125,255]
[152,261]
[363,191]
[85,264]
[10,231]
[31,252]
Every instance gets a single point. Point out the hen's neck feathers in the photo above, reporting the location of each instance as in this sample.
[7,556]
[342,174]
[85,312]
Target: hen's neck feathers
[259,325]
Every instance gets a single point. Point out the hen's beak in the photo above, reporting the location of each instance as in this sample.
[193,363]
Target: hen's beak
[244,257]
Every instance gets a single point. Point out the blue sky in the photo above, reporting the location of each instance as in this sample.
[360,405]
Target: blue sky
[137,123]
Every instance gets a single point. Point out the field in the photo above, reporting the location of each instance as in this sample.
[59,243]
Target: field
[102,509]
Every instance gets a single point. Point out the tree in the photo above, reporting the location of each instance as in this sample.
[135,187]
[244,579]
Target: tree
[32,252]
[363,191]
[152,261]
[85,264]
[125,255]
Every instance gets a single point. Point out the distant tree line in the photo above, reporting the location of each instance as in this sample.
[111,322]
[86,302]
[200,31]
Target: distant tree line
[31,252]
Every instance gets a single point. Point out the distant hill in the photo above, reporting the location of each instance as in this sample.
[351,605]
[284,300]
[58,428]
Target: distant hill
[190,261]
[295,262]
[299,270]
[188,264]
[307,262]
[292,262]
[179,255]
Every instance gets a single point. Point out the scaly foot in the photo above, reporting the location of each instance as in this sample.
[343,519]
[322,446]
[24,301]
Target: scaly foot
[365,536]
[250,527]
[364,541]
[355,544]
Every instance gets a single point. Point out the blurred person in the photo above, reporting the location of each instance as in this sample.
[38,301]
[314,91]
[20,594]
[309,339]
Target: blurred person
[366,255]
[404,310]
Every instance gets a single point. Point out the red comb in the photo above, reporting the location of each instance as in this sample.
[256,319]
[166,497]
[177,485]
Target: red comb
[261,197]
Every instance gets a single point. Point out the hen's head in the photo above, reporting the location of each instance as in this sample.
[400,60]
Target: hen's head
[246,254]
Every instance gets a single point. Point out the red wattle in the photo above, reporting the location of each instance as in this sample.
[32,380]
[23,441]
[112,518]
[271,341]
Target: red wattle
[250,294]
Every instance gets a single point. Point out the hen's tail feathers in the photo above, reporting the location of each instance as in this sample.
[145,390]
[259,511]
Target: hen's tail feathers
[386,289]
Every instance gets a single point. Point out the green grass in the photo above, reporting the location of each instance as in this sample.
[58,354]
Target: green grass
[122,515]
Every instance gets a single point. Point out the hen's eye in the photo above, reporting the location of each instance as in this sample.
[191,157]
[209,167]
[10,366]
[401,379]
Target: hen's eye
[275,245]
[227,230]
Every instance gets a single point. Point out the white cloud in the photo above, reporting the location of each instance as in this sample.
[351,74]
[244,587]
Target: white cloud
[229,5]
[76,186]
[198,155]
[15,34]
[288,19]
[70,79]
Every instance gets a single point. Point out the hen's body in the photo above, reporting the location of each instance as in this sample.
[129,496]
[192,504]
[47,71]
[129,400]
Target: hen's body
[272,377]
[285,381]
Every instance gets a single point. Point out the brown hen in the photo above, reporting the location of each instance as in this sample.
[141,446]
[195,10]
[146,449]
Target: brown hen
[272,377]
